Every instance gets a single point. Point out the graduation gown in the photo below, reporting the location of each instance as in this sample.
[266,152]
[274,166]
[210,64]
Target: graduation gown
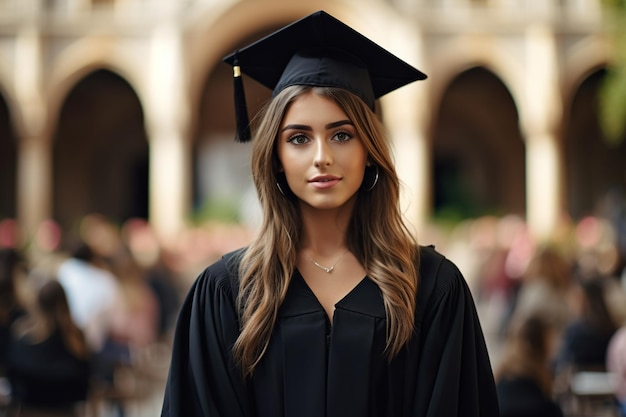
[313,369]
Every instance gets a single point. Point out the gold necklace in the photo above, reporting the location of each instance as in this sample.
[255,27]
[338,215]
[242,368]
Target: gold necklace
[327,269]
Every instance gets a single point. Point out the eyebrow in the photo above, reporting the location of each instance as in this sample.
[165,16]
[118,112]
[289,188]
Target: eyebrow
[309,128]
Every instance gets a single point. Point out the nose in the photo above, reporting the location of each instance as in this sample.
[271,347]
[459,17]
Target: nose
[323,153]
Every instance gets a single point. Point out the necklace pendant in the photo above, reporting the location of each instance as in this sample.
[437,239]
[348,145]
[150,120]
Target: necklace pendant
[327,269]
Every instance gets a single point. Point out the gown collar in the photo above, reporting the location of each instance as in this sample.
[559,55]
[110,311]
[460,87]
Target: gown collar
[365,298]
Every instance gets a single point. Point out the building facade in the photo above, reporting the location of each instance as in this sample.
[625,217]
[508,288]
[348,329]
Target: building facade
[124,107]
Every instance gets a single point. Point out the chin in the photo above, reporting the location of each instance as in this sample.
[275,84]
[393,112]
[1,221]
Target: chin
[330,203]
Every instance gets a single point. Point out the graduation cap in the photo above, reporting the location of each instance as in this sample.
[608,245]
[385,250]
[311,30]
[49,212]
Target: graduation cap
[318,50]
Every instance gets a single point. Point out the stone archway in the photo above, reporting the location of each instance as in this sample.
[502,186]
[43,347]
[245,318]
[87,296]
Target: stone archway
[594,169]
[100,155]
[8,162]
[478,150]
[221,175]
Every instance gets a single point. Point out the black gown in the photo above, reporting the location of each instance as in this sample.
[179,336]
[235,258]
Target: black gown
[313,369]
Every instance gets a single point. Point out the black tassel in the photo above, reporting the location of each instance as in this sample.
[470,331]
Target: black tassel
[241,109]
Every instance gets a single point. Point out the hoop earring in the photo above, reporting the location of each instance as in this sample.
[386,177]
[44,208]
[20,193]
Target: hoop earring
[281,184]
[280,188]
[374,182]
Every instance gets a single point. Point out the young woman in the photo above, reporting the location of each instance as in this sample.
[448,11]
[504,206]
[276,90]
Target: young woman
[11,306]
[586,338]
[524,378]
[333,310]
[49,368]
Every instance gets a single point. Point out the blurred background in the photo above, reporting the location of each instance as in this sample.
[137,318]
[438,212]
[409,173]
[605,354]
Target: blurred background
[117,134]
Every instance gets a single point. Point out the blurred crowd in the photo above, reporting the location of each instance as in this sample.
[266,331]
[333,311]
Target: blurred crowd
[81,313]
[553,311]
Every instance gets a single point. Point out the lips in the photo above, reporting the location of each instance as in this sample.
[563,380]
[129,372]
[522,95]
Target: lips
[324,181]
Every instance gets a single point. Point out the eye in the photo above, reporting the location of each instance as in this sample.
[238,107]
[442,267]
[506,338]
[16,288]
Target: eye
[342,136]
[298,139]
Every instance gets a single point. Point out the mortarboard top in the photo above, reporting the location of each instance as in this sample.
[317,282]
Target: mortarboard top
[318,50]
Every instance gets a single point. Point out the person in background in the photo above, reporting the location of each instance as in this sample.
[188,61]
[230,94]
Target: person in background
[585,340]
[616,364]
[156,262]
[545,288]
[524,378]
[162,280]
[49,359]
[135,320]
[11,306]
[333,309]
[94,295]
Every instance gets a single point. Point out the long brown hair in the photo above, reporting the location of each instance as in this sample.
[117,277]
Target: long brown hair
[377,234]
[52,312]
[528,351]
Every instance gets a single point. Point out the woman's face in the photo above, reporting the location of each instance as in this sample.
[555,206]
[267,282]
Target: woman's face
[320,153]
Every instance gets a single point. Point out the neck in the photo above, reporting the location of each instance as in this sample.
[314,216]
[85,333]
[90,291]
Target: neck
[324,231]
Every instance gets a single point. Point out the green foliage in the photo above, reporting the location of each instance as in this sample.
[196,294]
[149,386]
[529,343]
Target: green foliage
[618,4]
[223,210]
[613,105]
[612,98]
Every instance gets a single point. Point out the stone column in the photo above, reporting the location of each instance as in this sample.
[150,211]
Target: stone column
[405,113]
[540,116]
[543,183]
[34,171]
[167,117]
[411,154]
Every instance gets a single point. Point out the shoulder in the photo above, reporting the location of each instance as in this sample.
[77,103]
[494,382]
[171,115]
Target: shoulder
[74,269]
[618,341]
[617,350]
[22,328]
[442,289]
[68,269]
[438,274]
[222,275]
